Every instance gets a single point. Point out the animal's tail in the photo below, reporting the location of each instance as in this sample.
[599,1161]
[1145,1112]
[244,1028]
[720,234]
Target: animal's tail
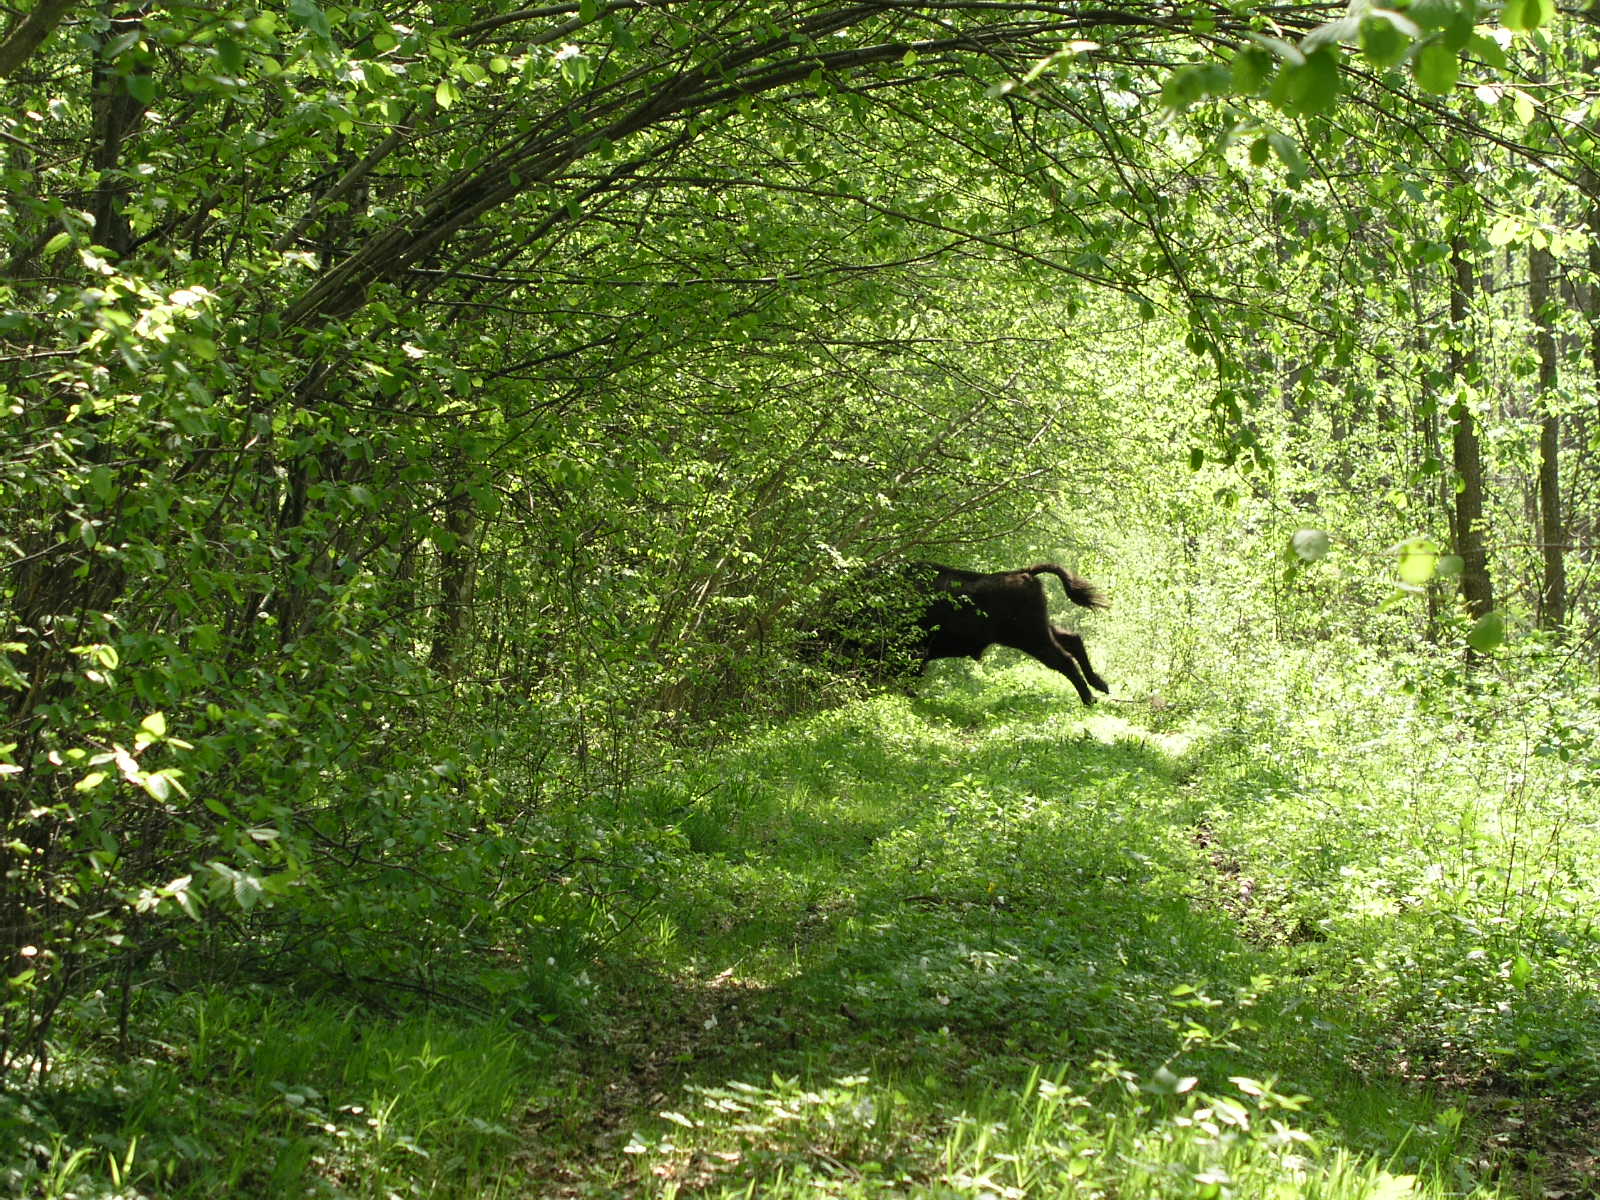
[1079,590]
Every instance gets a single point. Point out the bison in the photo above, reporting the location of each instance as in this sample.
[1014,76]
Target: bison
[909,614]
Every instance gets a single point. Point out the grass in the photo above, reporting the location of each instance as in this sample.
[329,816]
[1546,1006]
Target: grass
[243,1095]
[978,944]
[974,943]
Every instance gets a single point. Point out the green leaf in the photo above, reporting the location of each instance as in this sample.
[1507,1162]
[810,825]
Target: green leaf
[311,17]
[1505,231]
[1309,545]
[1521,971]
[1165,1083]
[178,889]
[1436,68]
[576,69]
[1311,86]
[1526,15]
[1197,459]
[1331,33]
[1458,32]
[1489,53]
[58,243]
[1193,84]
[1384,40]
[1402,593]
[1394,1187]
[1286,51]
[1419,560]
[1288,152]
[1433,14]
[1449,566]
[230,55]
[445,94]
[1487,632]
[218,807]
[1252,67]
[155,725]
[247,888]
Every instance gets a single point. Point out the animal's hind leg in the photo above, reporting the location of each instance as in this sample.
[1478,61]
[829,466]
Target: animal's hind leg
[1072,643]
[1050,653]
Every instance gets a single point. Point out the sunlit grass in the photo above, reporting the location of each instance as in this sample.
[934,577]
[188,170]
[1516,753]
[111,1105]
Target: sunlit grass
[247,1097]
[1016,979]
[977,942]
[856,1137]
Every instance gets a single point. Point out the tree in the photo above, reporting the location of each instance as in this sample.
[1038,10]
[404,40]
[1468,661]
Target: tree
[1466,451]
[598,330]
[1552,526]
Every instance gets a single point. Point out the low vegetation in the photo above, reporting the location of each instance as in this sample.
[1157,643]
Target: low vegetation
[431,434]
[972,942]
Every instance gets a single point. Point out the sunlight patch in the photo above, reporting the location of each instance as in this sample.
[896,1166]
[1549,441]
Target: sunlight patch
[1111,729]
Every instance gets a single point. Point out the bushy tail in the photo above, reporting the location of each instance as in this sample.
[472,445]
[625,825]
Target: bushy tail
[1079,590]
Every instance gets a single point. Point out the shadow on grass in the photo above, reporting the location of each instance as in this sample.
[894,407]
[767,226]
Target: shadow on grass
[947,894]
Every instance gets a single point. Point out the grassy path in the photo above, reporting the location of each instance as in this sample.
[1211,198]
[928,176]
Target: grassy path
[980,943]
[976,944]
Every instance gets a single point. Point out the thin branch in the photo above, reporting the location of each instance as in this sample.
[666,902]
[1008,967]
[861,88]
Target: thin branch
[29,34]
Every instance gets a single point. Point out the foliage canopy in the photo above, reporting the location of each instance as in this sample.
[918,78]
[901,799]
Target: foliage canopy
[418,417]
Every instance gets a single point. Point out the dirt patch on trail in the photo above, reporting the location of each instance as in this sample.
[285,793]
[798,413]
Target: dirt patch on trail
[1542,1146]
[621,1076]
[1227,887]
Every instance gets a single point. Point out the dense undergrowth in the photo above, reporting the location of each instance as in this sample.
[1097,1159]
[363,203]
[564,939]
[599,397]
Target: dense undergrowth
[425,448]
[1321,931]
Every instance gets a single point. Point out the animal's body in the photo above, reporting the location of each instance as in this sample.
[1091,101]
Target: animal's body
[915,612]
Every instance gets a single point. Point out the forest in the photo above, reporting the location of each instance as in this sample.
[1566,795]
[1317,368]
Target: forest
[433,431]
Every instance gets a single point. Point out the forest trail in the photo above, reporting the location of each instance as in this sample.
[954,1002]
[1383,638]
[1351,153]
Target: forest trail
[978,943]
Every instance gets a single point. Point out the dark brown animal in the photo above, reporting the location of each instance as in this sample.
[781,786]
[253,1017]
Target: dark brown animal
[910,614]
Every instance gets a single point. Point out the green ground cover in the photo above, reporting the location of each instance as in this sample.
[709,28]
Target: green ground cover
[974,942]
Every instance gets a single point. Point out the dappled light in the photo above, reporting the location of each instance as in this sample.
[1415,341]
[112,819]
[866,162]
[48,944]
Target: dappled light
[965,938]
[519,669]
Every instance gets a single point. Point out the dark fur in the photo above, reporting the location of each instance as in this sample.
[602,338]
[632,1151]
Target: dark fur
[917,612]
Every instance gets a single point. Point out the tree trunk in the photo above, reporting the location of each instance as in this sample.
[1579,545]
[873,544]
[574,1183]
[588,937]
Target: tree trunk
[1552,523]
[1582,522]
[1427,429]
[457,575]
[29,33]
[1476,588]
[116,116]
[1590,182]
